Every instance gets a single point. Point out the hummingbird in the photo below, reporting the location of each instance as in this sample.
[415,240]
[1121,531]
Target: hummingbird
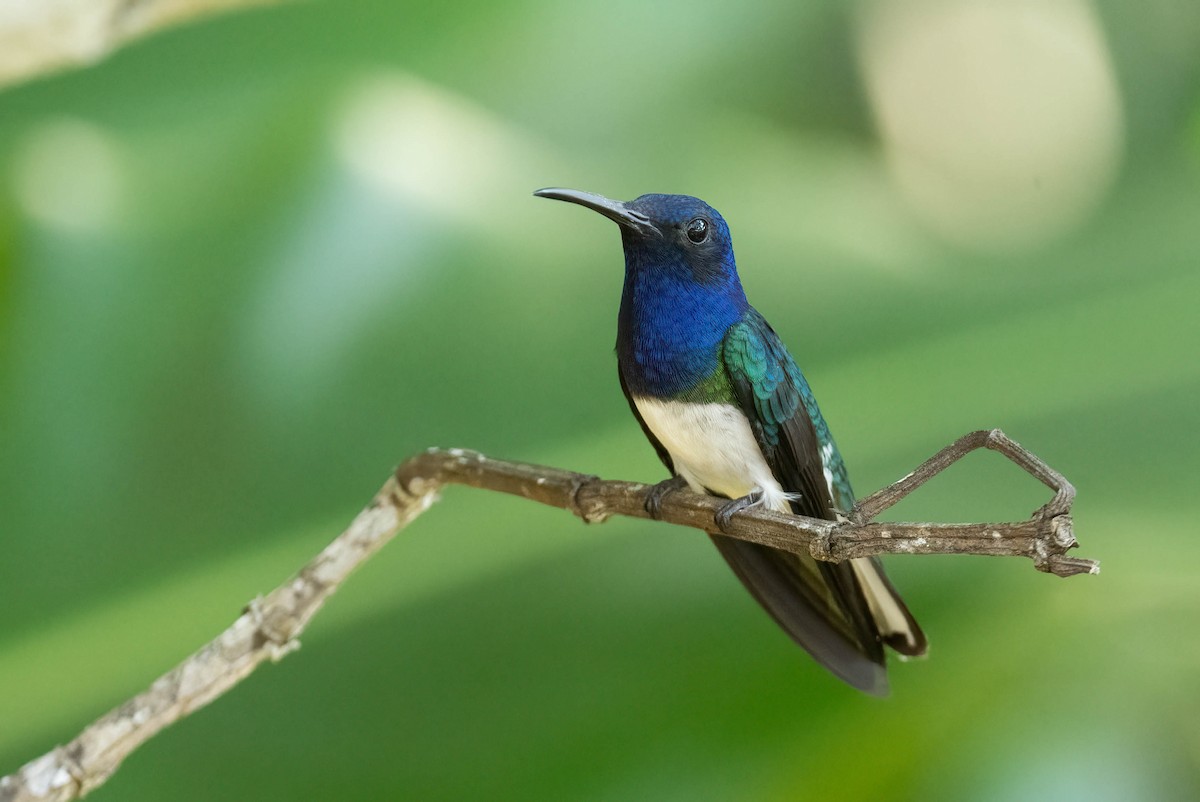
[730,414]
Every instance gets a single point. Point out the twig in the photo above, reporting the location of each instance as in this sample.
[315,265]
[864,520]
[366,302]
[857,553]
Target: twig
[47,35]
[270,627]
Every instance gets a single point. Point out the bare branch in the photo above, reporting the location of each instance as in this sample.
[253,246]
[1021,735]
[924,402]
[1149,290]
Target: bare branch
[41,36]
[271,625]
[267,630]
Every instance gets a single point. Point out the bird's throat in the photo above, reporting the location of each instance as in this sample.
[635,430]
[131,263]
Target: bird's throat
[670,331]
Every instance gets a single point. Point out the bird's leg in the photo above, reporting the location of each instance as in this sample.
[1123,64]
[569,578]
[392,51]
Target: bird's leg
[657,493]
[722,516]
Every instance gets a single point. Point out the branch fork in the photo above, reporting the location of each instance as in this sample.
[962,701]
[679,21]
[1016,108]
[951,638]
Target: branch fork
[1044,538]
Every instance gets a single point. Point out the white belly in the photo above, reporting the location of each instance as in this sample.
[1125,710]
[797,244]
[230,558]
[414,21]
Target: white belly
[713,448]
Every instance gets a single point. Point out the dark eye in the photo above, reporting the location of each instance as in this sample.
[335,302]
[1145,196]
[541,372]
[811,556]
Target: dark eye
[697,230]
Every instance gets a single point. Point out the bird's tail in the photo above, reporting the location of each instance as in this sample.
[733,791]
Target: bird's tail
[896,625]
[841,613]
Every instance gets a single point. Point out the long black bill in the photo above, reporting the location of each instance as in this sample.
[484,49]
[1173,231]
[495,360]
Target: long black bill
[616,211]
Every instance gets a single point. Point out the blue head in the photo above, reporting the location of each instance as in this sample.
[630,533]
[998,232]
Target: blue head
[682,291]
[678,234]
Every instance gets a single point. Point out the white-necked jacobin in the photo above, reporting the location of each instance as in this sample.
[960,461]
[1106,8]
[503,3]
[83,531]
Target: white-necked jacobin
[730,414]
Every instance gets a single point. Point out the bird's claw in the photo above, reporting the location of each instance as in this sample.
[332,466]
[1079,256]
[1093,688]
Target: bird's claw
[656,494]
[726,512]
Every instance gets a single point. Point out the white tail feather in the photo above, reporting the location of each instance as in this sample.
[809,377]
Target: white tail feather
[889,616]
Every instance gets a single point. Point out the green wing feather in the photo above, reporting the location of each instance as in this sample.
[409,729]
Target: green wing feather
[820,605]
[785,417]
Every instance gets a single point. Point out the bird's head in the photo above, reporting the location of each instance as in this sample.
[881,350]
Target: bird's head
[676,233]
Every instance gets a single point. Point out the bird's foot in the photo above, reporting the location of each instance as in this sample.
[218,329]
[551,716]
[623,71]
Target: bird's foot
[657,493]
[725,513]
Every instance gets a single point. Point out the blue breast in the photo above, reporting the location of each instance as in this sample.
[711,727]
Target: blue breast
[670,327]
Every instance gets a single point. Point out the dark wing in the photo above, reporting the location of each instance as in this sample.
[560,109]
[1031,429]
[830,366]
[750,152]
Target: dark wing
[819,604]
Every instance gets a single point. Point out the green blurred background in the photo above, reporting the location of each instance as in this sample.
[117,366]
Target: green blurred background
[249,265]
